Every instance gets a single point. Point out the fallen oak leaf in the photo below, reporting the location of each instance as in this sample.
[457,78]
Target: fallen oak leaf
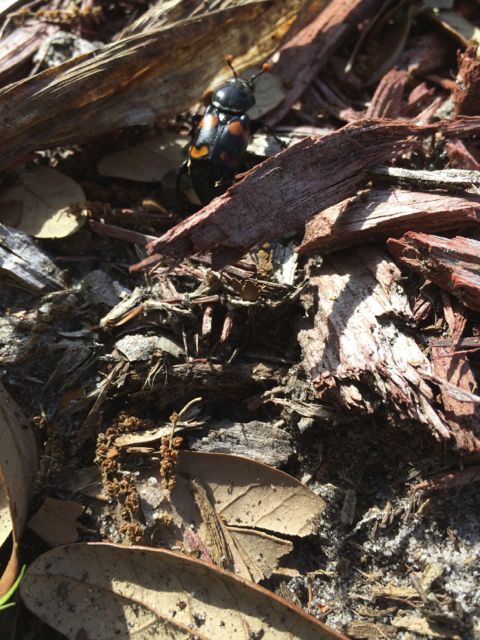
[102,591]
[48,203]
[229,502]
[56,521]
[251,494]
[147,161]
[18,460]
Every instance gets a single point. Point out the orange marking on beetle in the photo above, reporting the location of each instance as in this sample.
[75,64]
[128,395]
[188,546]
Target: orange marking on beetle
[236,128]
[208,121]
[199,152]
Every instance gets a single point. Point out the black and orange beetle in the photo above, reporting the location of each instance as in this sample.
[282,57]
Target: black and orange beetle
[221,137]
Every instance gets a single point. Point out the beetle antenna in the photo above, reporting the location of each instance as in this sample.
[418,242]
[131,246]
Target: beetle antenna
[229,60]
[265,67]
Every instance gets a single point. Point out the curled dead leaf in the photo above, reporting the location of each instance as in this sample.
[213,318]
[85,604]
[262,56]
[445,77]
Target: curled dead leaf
[148,161]
[103,591]
[47,204]
[18,461]
[251,494]
[221,508]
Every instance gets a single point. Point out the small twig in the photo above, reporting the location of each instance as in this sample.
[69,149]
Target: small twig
[177,417]
[441,178]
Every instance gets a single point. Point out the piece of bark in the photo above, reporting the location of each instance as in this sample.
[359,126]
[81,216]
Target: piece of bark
[451,263]
[260,441]
[365,630]
[460,157]
[304,54]
[419,99]
[279,195]
[426,53]
[463,417]
[387,99]
[466,95]
[355,351]
[331,100]
[453,480]
[138,79]
[382,213]
[462,127]
[22,260]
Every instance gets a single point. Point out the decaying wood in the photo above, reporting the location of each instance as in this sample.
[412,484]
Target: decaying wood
[452,364]
[260,441]
[22,260]
[462,127]
[419,99]
[426,53]
[452,263]
[355,352]
[387,99]
[138,79]
[467,92]
[279,195]
[161,13]
[460,157]
[441,179]
[463,417]
[381,213]
[217,544]
[453,480]
[303,55]
[366,630]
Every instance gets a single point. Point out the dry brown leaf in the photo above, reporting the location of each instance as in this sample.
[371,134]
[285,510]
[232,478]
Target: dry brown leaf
[225,491]
[251,494]
[269,93]
[55,521]
[18,462]
[48,203]
[260,551]
[148,161]
[103,591]
[85,481]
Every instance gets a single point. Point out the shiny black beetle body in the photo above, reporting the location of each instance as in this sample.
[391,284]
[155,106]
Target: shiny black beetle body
[220,138]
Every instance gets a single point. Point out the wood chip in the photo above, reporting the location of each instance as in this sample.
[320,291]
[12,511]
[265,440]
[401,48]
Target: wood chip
[355,351]
[260,441]
[452,263]
[24,261]
[381,213]
[303,55]
[283,192]
[467,92]
[387,99]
